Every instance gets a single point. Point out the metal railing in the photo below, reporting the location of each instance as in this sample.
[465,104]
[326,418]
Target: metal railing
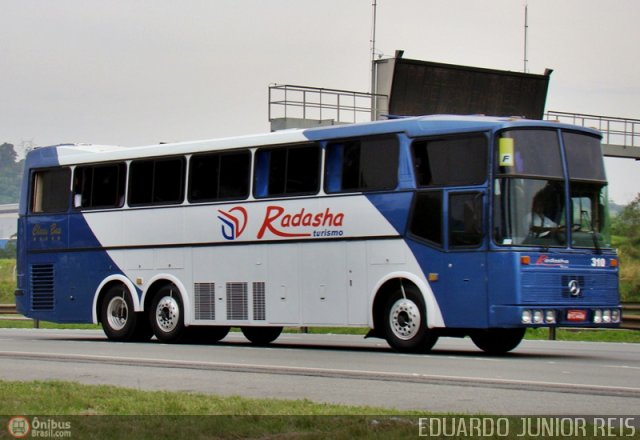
[615,131]
[340,106]
[631,316]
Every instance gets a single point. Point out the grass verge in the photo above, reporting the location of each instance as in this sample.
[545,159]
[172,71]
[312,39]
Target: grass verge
[71,410]
[170,415]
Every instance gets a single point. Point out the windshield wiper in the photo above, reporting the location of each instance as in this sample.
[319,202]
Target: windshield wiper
[596,241]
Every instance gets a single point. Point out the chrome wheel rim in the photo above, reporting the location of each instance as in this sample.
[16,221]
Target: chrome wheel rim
[405,319]
[167,314]
[117,313]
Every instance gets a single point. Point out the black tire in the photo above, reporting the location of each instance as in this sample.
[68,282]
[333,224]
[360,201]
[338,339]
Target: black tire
[498,341]
[119,321]
[405,323]
[206,334]
[167,315]
[261,335]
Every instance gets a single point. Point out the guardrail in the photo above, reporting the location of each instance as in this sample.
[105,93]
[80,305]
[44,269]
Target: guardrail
[8,310]
[630,315]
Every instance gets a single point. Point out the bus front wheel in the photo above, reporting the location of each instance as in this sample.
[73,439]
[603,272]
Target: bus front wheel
[498,341]
[405,323]
[119,320]
[167,315]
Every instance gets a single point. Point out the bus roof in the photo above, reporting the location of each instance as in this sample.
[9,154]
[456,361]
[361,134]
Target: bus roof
[68,154]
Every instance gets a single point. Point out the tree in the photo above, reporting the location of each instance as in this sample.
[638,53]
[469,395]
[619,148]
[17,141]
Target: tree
[627,223]
[10,174]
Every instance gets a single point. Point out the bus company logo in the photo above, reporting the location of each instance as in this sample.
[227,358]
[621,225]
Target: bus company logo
[282,223]
[545,260]
[234,222]
[19,427]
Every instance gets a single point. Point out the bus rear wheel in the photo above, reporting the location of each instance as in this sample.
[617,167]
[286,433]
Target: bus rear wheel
[405,323]
[119,320]
[206,334]
[498,341]
[167,314]
[261,335]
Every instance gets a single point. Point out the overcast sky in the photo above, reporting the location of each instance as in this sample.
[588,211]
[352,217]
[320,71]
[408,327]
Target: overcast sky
[134,72]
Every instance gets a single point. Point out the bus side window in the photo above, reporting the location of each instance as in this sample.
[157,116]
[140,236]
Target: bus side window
[465,220]
[290,170]
[156,181]
[367,164]
[426,216]
[450,161]
[50,190]
[99,186]
[219,176]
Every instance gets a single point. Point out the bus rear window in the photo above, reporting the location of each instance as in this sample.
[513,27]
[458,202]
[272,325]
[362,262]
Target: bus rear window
[50,190]
[367,164]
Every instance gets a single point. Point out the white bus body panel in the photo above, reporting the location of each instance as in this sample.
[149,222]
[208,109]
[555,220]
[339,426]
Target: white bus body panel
[315,261]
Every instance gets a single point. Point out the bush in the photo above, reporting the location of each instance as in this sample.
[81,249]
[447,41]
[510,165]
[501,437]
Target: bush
[7,282]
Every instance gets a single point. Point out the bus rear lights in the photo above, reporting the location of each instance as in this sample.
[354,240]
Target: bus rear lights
[538,317]
[606,316]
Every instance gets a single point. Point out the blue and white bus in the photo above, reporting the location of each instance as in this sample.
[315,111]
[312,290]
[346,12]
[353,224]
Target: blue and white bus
[415,228]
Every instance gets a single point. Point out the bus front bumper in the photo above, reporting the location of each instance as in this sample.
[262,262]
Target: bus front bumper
[556,316]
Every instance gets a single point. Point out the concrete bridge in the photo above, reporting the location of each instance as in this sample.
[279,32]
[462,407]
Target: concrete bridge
[620,136]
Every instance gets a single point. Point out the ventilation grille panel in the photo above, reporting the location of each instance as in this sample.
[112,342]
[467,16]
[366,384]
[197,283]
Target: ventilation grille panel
[237,301]
[42,287]
[259,301]
[205,304]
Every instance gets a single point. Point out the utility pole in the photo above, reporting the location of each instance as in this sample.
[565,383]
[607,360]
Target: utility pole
[526,31]
[373,62]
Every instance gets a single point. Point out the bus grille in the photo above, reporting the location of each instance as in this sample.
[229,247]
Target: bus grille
[205,303]
[42,287]
[259,311]
[237,301]
[553,288]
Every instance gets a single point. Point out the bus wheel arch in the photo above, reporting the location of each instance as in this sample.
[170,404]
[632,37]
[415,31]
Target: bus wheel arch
[400,315]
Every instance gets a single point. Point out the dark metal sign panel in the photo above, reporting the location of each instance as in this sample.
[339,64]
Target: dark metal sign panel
[422,88]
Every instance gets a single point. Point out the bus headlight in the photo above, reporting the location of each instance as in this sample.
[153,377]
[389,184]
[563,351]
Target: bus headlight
[615,315]
[597,316]
[538,317]
[606,316]
[526,316]
[550,316]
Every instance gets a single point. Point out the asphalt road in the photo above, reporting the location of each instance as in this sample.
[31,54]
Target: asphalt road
[539,377]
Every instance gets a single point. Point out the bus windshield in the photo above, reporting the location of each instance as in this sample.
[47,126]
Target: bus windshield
[529,191]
